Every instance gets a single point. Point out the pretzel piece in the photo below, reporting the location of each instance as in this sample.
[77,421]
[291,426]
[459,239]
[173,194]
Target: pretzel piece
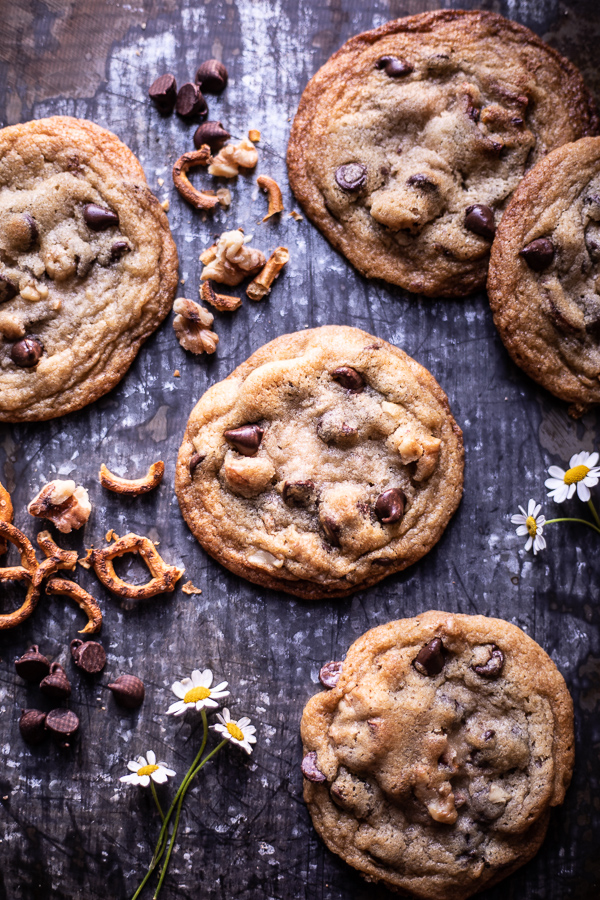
[274,191]
[135,486]
[6,514]
[199,199]
[25,573]
[164,577]
[65,588]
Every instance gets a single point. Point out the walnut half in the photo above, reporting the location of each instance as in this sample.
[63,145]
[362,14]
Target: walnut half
[233,260]
[192,327]
[63,503]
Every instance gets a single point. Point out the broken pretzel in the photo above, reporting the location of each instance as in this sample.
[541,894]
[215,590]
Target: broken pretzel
[222,302]
[25,573]
[164,577]
[199,199]
[134,486]
[261,286]
[65,588]
[274,192]
[6,512]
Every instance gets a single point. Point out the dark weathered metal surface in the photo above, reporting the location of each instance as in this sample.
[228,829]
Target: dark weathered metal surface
[67,827]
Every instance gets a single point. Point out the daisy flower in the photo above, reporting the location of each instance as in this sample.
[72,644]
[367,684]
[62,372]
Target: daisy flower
[197,692]
[239,732]
[532,524]
[581,475]
[145,768]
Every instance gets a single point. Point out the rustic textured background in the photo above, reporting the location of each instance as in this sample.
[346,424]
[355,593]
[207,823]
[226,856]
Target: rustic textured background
[68,829]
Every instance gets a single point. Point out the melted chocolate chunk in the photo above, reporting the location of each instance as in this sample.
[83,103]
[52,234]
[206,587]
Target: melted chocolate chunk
[538,254]
[480,220]
[349,378]
[8,289]
[298,493]
[310,770]
[351,177]
[394,67]
[389,506]
[99,219]
[430,658]
[329,674]
[332,531]
[423,183]
[26,353]
[246,439]
[493,667]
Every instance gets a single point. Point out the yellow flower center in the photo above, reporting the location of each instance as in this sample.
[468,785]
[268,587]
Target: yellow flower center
[578,473]
[195,694]
[235,731]
[147,770]
[531,526]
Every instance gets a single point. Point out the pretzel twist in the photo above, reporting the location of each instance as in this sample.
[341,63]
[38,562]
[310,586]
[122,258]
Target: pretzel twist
[164,577]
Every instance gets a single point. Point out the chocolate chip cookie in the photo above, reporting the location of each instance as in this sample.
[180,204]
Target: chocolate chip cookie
[323,463]
[432,762]
[88,267]
[544,280]
[410,140]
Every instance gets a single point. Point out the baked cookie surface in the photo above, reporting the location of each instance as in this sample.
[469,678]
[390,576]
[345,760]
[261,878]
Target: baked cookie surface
[88,267]
[432,763]
[544,279]
[326,461]
[409,141]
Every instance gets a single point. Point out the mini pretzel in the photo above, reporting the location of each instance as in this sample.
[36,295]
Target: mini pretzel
[261,286]
[199,199]
[65,588]
[25,572]
[135,486]
[6,514]
[164,578]
[274,192]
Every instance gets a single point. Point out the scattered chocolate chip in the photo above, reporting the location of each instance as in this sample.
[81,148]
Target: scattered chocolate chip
[26,353]
[33,665]
[489,734]
[351,177]
[190,101]
[211,133]
[163,92]
[480,220]
[430,658]
[128,691]
[31,725]
[310,770]
[62,724]
[56,684]
[195,461]
[118,249]
[212,76]
[349,378]
[97,218]
[394,67]
[329,674]
[298,493]
[423,183]
[538,254]
[246,440]
[332,531]
[493,667]
[389,506]
[89,656]
[8,289]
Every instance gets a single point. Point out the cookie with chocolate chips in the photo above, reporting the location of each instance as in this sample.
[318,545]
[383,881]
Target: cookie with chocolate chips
[432,763]
[544,280]
[409,141]
[323,463]
[88,267]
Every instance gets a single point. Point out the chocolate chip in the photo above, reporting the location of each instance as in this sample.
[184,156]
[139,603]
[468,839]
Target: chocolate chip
[26,353]
[190,101]
[31,725]
[211,133]
[62,724]
[128,691]
[212,76]
[310,770]
[329,674]
[97,218]
[195,461]
[89,656]
[423,183]
[118,249]
[56,684]
[349,378]
[489,734]
[394,67]
[538,254]
[33,665]
[389,506]
[493,667]
[430,658]
[298,493]
[332,531]
[351,177]
[480,220]
[246,440]
[8,289]
[163,92]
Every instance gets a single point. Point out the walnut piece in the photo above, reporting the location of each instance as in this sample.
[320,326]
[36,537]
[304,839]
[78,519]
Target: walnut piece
[192,327]
[11,326]
[63,503]
[249,475]
[233,157]
[233,260]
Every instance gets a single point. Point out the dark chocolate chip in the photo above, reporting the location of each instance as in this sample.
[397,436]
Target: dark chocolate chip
[389,506]
[118,249]
[163,92]
[33,665]
[8,289]
[298,493]
[212,76]
[190,101]
[423,183]
[211,133]
[246,440]
[97,218]
[332,531]
[538,254]
[430,658]
[26,353]
[56,684]
[128,691]
[480,220]
[351,177]
[349,378]
[62,724]
[310,770]
[489,734]
[394,67]
[493,667]
[89,656]
[195,461]
[31,725]
[329,674]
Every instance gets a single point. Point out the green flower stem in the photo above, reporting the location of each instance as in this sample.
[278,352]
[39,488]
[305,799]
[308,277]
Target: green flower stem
[581,522]
[594,513]
[156,800]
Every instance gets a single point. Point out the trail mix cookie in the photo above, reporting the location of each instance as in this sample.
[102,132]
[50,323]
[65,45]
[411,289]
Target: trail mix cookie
[432,762]
[88,267]
[323,463]
[409,141]
[544,280]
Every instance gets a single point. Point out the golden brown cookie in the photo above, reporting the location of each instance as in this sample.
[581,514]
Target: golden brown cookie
[544,279]
[432,762]
[326,461]
[410,140]
[88,267]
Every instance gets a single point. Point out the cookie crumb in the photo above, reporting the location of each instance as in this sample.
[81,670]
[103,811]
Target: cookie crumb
[176,373]
[165,205]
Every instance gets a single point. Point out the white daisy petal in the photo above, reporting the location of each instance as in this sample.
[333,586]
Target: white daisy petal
[179,690]
[144,780]
[174,708]
[529,543]
[129,779]
[151,755]
[592,459]
[518,519]
[197,678]
[159,776]
[521,530]
[583,491]
[207,677]
[133,766]
[572,489]
[555,472]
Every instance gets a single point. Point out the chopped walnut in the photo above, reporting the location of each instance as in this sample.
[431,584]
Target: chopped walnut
[223,195]
[249,475]
[233,157]
[63,503]
[192,327]
[233,260]
[11,326]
